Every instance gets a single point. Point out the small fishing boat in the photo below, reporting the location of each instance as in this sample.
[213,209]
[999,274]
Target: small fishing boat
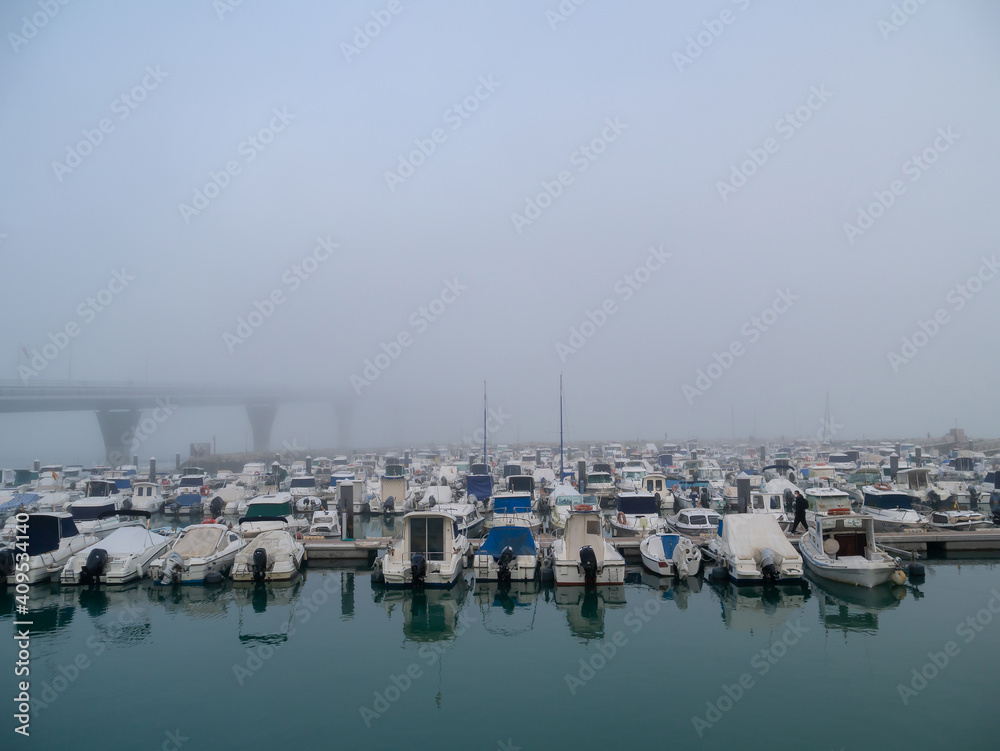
[841,547]
[891,509]
[637,515]
[695,522]
[507,554]
[188,499]
[272,511]
[752,549]
[564,500]
[429,552]
[201,554]
[514,508]
[307,504]
[121,557]
[958,520]
[324,525]
[583,557]
[670,555]
[146,496]
[273,556]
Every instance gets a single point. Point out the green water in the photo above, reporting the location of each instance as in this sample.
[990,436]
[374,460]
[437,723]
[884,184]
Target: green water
[472,668]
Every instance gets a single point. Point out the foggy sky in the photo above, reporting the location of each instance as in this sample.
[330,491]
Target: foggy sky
[834,100]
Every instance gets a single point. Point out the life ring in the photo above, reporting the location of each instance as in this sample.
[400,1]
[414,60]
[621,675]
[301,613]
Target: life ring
[583,507]
[838,511]
[209,520]
[205,490]
[882,486]
[256,473]
[621,518]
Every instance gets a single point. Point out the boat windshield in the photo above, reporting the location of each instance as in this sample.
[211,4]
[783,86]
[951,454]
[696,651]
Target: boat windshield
[268,509]
[637,504]
[89,513]
[599,479]
[303,482]
[427,537]
[191,482]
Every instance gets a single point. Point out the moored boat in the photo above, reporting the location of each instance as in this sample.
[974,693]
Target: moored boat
[842,548]
[670,555]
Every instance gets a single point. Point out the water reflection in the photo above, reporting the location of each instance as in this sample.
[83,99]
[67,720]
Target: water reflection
[747,608]
[507,609]
[845,607]
[585,608]
[429,615]
[669,588]
[193,602]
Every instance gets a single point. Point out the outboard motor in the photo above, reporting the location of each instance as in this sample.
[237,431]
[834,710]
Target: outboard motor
[768,566]
[94,568]
[259,565]
[127,504]
[418,569]
[173,566]
[389,507]
[431,502]
[789,499]
[588,561]
[7,564]
[216,507]
[503,565]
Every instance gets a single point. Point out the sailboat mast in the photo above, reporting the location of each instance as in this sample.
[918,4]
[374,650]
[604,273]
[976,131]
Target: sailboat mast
[484,428]
[560,430]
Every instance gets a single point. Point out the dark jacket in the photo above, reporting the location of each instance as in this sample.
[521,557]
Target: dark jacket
[801,504]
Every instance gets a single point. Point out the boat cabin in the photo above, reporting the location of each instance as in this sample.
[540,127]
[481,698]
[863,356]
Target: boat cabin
[847,535]
[915,478]
[430,534]
[45,531]
[100,489]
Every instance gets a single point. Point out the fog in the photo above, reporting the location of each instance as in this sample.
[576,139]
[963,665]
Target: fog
[707,217]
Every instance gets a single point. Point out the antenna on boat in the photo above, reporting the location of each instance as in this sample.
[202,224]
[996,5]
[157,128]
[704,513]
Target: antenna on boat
[484,427]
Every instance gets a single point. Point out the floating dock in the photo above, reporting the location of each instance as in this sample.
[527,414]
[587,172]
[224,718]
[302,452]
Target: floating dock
[940,544]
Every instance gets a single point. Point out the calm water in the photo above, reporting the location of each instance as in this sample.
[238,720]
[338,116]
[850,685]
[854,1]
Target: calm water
[332,662]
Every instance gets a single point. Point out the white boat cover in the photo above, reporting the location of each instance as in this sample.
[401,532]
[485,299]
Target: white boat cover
[277,542]
[747,535]
[198,541]
[125,540]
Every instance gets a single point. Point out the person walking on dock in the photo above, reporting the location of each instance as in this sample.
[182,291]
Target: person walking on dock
[801,504]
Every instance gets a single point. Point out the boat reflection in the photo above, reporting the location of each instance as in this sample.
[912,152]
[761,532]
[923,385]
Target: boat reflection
[498,605]
[429,615]
[748,608]
[585,607]
[193,602]
[670,588]
[262,596]
[844,607]
[49,608]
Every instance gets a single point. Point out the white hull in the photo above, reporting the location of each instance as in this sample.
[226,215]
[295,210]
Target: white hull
[570,573]
[683,564]
[523,568]
[864,576]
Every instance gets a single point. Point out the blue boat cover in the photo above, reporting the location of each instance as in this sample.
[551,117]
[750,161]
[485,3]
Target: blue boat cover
[512,504]
[669,543]
[518,538]
[17,500]
[480,486]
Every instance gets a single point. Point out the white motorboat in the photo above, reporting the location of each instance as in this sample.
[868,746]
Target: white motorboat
[394,496]
[324,525]
[121,557]
[428,553]
[146,496]
[189,496]
[695,522]
[752,549]
[670,555]
[564,500]
[507,554]
[231,498]
[891,509]
[583,557]
[57,500]
[201,554]
[468,516]
[770,503]
[824,501]
[308,503]
[274,555]
[842,547]
[637,515]
[99,516]
[271,511]
[958,520]
[304,486]
[514,508]
[601,484]
[52,539]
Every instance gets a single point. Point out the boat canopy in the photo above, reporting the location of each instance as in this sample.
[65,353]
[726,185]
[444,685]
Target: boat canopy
[101,488]
[18,500]
[637,504]
[517,538]
[278,508]
[45,530]
[89,512]
[521,483]
[199,541]
[512,504]
[480,486]
[395,470]
[747,535]
[669,542]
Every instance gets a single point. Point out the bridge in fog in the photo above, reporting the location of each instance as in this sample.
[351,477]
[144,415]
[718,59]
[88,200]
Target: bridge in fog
[119,406]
